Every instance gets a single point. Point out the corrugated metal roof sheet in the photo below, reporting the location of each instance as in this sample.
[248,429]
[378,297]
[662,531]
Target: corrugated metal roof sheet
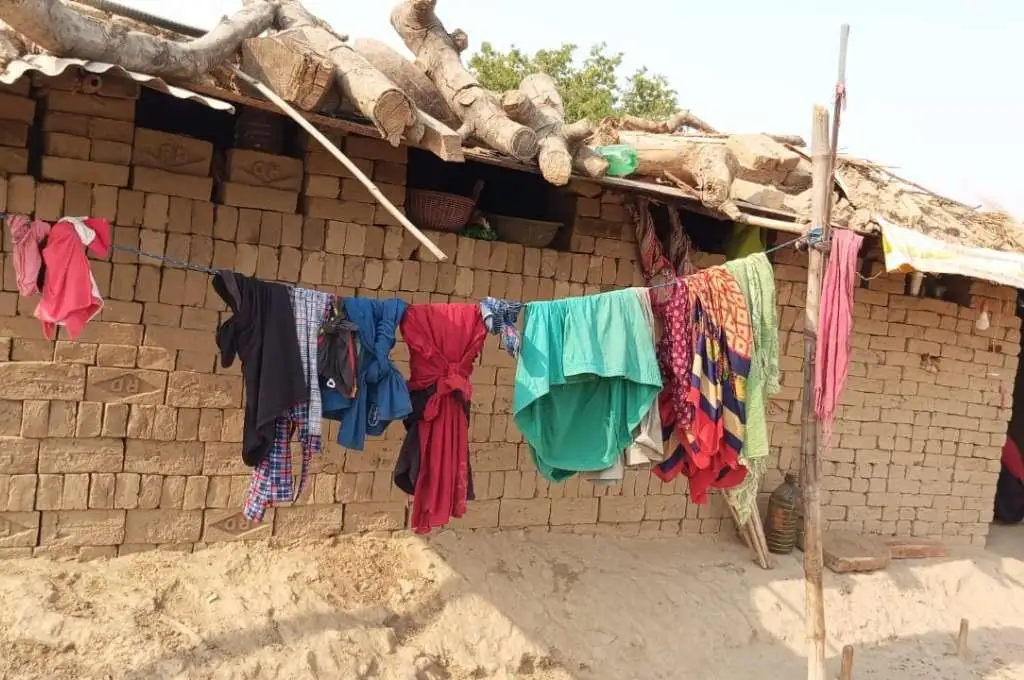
[50,65]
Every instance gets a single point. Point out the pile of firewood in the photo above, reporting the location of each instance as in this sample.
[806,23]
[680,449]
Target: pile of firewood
[432,102]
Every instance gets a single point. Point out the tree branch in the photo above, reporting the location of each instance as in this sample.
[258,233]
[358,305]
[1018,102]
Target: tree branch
[64,31]
[437,53]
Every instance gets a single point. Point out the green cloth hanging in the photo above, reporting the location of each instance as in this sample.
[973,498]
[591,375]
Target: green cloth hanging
[757,281]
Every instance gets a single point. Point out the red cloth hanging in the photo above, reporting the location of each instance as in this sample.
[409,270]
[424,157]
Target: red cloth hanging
[71,297]
[444,342]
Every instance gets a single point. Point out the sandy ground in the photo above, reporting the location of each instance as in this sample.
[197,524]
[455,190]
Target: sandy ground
[551,607]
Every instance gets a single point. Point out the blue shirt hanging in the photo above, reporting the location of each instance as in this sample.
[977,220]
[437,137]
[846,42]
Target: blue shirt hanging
[382,395]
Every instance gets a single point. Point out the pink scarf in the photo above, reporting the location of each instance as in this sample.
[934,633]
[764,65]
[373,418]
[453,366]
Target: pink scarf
[27,235]
[835,324]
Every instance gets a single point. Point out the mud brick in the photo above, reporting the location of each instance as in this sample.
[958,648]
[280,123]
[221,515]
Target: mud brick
[256,168]
[83,528]
[18,529]
[232,525]
[374,516]
[50,492]
[152,180]
[62,419]
[78,199]
[49,201]
[389,173]
[90,105]
[76,492]
[21,109]
[271,224]
[87,172]
[13,161]
[375,150]
[262,198]
[342,211]
[10,420]
[81,455]
[164,458]
[66,146]
[172,494]
[21,493]
[176,154]
[567,511]
[524,513]
[102,489]
[321,162]
[321,186]
[110,152]
[621,509]
[163,526]
[91,127]
[21,194]
[35,418]
[310,521]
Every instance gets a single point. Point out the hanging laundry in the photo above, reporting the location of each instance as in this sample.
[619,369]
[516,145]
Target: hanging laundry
[500,318]
[675,355]
[587,376]
[658,269]
[647,442]
[338,353]
[273,480]
[444,342]
[70,296]
[27,236]
[382,395]
[647,446]
[835,323]
[711,444]
[757,281]
[261,333]
[744,240]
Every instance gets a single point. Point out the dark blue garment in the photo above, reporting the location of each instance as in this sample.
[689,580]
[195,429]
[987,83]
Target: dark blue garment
[382,394]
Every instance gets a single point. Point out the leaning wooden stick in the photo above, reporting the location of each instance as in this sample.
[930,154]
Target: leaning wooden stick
[846,669]
[961,639]
[344,160]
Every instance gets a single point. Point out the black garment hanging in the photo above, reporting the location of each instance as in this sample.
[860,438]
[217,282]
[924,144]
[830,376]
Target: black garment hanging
[261,333]
[338,352]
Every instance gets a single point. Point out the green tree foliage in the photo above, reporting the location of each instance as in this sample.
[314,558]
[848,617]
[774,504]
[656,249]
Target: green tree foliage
[591,89]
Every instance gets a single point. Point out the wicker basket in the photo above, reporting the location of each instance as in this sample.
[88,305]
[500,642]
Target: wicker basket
[437,210]
[532,233]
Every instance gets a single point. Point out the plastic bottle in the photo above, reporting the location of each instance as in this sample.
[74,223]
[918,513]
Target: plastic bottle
[783,507]
[622,159]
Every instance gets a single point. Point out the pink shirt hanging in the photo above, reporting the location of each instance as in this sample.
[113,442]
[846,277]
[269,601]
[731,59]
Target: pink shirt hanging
[71,297]
[27,235]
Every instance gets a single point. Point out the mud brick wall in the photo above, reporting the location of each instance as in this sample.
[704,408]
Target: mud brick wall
[129,438]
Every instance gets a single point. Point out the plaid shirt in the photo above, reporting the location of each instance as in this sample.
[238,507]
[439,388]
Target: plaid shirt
[311,308]
[273,479]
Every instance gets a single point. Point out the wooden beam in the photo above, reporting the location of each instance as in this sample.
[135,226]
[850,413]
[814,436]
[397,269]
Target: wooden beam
[301,76]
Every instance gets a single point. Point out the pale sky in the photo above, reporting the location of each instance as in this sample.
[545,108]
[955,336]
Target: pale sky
[935,87]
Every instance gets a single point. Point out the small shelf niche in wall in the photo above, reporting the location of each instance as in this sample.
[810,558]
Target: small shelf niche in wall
[500,193]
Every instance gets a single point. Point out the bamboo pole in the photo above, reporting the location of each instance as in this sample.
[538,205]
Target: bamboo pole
[343,159]
[811,460]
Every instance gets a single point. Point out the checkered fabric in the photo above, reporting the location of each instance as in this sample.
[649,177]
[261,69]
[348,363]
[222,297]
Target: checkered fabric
[273,479]
[311,308]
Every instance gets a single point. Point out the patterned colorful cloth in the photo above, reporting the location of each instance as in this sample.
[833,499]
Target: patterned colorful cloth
[500,318]
[757,280]
[675,352]
[723,342]
[272,480]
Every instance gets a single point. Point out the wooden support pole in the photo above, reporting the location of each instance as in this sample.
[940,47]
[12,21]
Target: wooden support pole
[823,159]
[961,638]
[811,460]
[846,669]
[344,160]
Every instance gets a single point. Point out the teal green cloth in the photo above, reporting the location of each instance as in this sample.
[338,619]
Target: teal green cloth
[587,376]
[757,281]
